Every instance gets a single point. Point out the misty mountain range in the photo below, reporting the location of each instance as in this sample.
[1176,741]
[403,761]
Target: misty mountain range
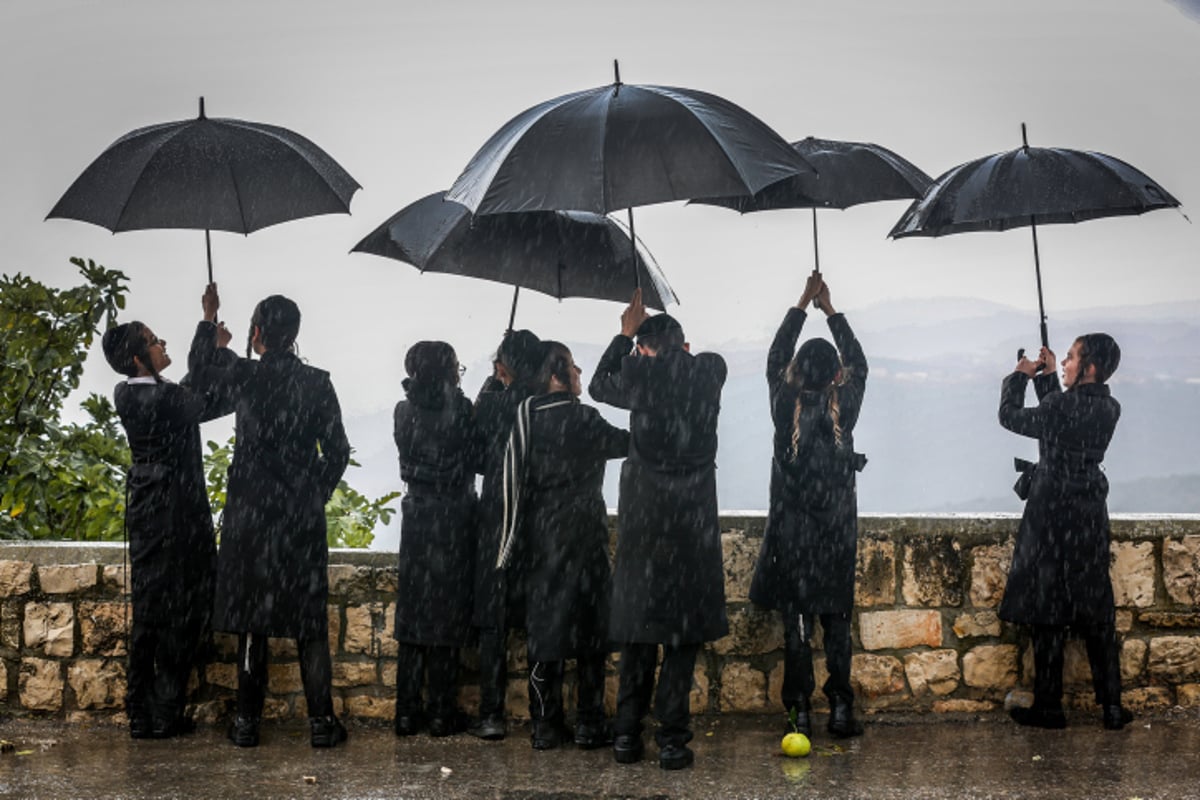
[929,421]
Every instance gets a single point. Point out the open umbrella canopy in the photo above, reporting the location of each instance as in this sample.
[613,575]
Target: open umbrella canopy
[620,146]
[847,174]
[559,253]
[207,174]
[1031,186]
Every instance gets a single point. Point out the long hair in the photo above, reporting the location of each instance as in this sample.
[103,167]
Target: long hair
[1101,351]
[278,321]
[122,343]
[521,354]
[815,369]
[556,364]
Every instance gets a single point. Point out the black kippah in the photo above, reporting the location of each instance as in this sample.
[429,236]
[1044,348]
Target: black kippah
[658,325]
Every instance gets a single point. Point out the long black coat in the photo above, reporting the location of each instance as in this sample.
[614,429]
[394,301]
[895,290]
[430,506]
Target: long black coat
[1059,573]
[498,598]
[172,550]
[668,578]
[564,526]
[807,560]
[291,451]
[437,442]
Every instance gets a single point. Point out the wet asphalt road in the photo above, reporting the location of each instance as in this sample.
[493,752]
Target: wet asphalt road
[899,757]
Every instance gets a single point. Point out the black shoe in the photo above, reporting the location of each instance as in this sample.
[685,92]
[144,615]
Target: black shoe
[170,728]
[141,727]
[842,723]
[490,727]
[546,735]
[628,749]
[449,724]
[675,756]
[803,723]
[327,731]
[409,724]
[1054,719]
[243,731]
[1116,717]
[593,735]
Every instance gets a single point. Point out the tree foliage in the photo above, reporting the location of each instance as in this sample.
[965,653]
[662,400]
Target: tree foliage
[63,480]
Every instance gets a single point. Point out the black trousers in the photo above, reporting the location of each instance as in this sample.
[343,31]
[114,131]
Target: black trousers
[493,670]
[1104,657]
[418,666]
[316,671]
[545,689]
[798,681]
[160,662]
[672,701]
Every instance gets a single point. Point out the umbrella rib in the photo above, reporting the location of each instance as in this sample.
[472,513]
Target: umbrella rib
[141,174]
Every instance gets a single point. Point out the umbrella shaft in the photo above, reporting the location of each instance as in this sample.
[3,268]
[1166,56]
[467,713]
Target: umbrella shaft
[1037,267]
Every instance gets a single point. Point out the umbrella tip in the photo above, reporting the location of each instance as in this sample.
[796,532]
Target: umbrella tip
[616,72]
[202,108]
[1024,137]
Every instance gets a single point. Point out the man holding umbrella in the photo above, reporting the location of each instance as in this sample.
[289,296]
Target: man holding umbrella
[668,579]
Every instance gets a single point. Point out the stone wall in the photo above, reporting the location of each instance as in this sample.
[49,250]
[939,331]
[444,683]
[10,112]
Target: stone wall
[927,637]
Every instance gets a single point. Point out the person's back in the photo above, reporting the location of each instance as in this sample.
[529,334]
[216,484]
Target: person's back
[674,401]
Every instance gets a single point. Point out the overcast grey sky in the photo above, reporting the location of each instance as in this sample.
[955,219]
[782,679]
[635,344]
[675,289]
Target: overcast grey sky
[403,93]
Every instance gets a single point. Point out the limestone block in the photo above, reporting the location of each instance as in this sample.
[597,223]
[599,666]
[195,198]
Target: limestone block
[1077,673]
[611,684]
[50,626]
[223,675]
[208,712]
[775,686]
[335,628]
[820,675]
[3,681]
[354,673]
[743,689]
[365,706]
[354,583]
[876,676]
[388,646]
[1132,573]
[738,555]
[698,698]
[1149,698]
[360,634]
[992,667]
[278,708]
[16,578]
[1174,659]
[114,579]
[1124,622]
[932,672]
[67,578]
[875,573]
[387,581]
[40,684]
[1133,659]
[977,624]
[1186,695]
[97,683]
[933,573]
[468,698]
[10,624]
[102,628]
[989,573]
[284,678]
[752,631]
[962,706]
[516,699]
[894,630]
[1181,569]
[387,674]
[283,648]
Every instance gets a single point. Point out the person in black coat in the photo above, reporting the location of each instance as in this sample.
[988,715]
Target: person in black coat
[668,578]
[498,602]
[435,435]
[1059,576]
[807,562]
[272,566]
[555,463]
[168,522]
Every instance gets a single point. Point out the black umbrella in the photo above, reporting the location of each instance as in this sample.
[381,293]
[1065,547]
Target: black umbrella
[1031,186]
[621,146]
[559,253]
[210,174]
[848,174]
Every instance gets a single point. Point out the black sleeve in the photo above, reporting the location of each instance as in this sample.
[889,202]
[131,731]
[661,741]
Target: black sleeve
[854,370]
[1014,416]
[783,347]
[607,385]
[604,438]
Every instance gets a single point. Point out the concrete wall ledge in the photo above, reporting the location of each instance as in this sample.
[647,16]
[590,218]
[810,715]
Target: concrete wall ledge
[927,638]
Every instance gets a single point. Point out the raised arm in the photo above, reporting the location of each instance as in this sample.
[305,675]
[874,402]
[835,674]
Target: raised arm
[854,370]
[607,385]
